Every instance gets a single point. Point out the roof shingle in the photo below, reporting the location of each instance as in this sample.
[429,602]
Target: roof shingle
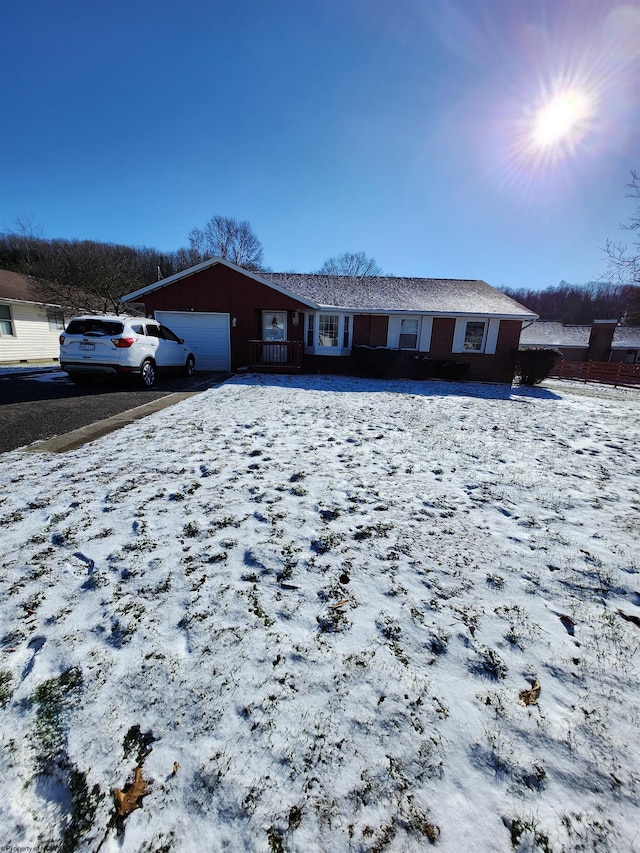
[387,293]
[19,287]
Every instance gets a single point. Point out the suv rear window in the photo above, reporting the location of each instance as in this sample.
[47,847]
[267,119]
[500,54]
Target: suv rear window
[94,327]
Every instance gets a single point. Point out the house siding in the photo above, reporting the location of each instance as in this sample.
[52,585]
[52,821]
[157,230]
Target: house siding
[484,367]
[33,339]
[223,290]
[442,337]
[370,330]
[499,366]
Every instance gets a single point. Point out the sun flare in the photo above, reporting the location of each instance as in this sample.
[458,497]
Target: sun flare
[561,121]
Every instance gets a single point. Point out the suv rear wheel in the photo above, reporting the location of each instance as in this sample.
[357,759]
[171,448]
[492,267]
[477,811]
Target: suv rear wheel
[190,366]
[147,373]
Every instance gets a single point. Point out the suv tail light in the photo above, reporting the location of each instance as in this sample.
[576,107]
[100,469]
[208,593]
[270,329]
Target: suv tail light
[123,343]
[61,339]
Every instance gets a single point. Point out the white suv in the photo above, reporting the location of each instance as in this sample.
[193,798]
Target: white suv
[126,346]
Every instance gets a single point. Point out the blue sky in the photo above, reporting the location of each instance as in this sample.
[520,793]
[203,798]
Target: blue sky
[402,128]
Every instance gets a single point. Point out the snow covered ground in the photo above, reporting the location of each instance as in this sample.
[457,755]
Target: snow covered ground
[313,610]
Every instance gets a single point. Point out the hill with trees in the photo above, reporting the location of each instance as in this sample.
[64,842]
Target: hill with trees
[581,304]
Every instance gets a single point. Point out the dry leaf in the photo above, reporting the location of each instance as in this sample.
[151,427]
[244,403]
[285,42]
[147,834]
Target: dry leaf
[176,767]
[129,799]
[339,604]
[530,697]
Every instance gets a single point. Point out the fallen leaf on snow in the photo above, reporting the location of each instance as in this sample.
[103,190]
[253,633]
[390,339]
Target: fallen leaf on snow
[129,799]
[530,697]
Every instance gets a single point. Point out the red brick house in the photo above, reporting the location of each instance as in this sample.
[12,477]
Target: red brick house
[234,318]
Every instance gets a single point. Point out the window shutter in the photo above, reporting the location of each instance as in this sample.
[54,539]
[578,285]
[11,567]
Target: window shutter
[393,332]
[458,335]
[492,336]
[425,334]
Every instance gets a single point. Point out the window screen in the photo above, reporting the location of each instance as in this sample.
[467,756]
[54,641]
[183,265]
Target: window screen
[409,328]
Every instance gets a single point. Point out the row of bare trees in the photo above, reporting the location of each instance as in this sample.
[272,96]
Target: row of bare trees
[581,304]
[87,275]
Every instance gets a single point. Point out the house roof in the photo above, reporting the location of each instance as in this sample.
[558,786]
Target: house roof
[545,333]
[374,293]
[20,288]
[390,293]
[626,337]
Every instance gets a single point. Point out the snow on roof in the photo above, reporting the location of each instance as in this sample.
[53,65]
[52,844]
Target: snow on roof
[548,334]
[626,337]
[373,293]
[389,293]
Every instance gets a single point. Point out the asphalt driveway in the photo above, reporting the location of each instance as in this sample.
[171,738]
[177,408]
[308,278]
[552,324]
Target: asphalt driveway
[42,404]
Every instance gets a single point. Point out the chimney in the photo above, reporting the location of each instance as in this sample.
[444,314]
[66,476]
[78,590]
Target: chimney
[600,340]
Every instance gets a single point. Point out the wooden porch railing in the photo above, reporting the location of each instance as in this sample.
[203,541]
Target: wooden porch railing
[611,372]
[277,356]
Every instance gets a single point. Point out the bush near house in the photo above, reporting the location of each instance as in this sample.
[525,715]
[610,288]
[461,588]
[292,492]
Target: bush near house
[435,368]
[385,363]
[536,364]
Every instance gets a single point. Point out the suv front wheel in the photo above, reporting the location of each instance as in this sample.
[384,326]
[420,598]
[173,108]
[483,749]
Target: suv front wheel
[147,373]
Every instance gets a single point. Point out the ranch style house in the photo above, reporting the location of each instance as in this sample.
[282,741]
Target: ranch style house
[288,322]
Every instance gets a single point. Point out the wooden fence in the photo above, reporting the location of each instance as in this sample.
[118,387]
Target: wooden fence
[610,372]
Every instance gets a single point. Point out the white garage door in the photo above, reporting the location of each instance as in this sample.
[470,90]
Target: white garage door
[206,333]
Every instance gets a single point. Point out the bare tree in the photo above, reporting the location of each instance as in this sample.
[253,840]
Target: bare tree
[350,263]
[624,261]
[225,237]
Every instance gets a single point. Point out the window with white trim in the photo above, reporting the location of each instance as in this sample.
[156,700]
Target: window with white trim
[6,322]
[346,332]
[474,336]
[328,330]
[409,332]
[328,334]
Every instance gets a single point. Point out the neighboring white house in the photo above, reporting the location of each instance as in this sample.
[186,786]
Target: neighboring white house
[29,327]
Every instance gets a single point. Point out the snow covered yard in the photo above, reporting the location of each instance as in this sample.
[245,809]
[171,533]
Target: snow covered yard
[327,614]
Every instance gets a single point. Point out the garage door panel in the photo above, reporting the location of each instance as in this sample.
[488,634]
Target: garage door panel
[206,333]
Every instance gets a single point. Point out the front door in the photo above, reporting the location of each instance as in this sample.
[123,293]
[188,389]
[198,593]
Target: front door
[274,334]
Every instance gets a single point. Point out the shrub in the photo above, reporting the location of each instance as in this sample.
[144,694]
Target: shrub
[452,370]
[376,361]
[536,364]
[433,368]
